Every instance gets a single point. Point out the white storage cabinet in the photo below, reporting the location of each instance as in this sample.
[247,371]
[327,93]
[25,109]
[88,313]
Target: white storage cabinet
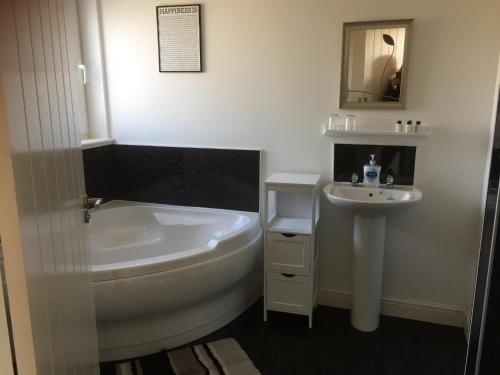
[291,209]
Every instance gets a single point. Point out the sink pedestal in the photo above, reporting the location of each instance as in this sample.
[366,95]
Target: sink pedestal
[368,261]
[371,207]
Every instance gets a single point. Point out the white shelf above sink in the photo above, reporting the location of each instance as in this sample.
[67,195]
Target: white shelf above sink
[422,134]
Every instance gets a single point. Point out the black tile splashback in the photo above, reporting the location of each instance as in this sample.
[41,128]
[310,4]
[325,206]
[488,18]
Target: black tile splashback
[216,178]
[399,161]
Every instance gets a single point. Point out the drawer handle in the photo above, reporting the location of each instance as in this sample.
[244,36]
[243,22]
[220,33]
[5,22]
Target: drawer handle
[288,234]
[288,274]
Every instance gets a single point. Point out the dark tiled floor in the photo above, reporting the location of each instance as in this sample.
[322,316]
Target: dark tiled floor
[284,345]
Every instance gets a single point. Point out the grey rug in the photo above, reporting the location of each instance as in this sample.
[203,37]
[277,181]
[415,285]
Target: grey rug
[222,357]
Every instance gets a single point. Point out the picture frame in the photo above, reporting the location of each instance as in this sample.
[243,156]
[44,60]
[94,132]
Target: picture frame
[179,38]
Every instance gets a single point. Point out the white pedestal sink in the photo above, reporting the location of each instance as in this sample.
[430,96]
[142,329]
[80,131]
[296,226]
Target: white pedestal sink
[371,206]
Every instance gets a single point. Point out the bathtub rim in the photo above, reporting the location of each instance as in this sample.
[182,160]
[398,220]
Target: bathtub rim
[163,263]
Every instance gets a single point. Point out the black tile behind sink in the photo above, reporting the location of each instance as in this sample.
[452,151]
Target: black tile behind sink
[399,161]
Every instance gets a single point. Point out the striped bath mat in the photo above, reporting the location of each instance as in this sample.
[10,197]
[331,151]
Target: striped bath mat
[223,357]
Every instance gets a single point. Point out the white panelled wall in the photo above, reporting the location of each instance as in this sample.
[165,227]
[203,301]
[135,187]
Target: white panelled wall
[41,174]
[272,71]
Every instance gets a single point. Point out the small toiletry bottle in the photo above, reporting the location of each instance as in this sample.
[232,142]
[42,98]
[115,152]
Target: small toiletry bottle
[399,126]
[409,126]
[371,173]
[417,127]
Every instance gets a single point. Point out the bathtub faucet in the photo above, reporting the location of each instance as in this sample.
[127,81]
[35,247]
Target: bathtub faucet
[88,204]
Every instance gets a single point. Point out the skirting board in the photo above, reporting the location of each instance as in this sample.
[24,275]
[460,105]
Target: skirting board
[409,309]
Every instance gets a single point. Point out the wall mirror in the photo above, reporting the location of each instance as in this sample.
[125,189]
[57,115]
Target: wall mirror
[375,58]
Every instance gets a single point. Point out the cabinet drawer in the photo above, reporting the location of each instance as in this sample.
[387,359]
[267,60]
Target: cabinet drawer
[288,294]
[288,253]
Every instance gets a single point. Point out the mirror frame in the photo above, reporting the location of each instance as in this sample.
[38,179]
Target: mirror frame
[350,26]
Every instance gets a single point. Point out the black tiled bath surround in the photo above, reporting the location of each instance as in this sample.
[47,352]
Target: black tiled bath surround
[198,177]
[399,161]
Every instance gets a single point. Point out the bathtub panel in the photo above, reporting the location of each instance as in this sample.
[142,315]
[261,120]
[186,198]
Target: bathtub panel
[173,290]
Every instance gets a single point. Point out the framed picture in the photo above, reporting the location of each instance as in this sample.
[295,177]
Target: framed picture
[179,38]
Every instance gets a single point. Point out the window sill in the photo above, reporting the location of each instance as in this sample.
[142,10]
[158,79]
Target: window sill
[96,142]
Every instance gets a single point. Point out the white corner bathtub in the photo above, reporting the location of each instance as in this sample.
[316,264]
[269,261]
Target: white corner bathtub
[166,275]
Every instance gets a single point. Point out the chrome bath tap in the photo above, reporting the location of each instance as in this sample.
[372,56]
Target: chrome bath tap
[354,179]
[389,184]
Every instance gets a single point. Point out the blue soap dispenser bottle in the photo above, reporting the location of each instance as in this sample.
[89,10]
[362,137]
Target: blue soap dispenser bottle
[371,175]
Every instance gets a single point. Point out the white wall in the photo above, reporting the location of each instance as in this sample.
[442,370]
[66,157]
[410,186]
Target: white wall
[272,78]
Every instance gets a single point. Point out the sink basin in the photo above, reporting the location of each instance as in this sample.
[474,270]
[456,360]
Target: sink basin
[371,200]
[371,206]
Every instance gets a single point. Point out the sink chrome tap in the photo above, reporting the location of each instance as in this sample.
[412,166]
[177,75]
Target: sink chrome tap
[389,184]
[354,179]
